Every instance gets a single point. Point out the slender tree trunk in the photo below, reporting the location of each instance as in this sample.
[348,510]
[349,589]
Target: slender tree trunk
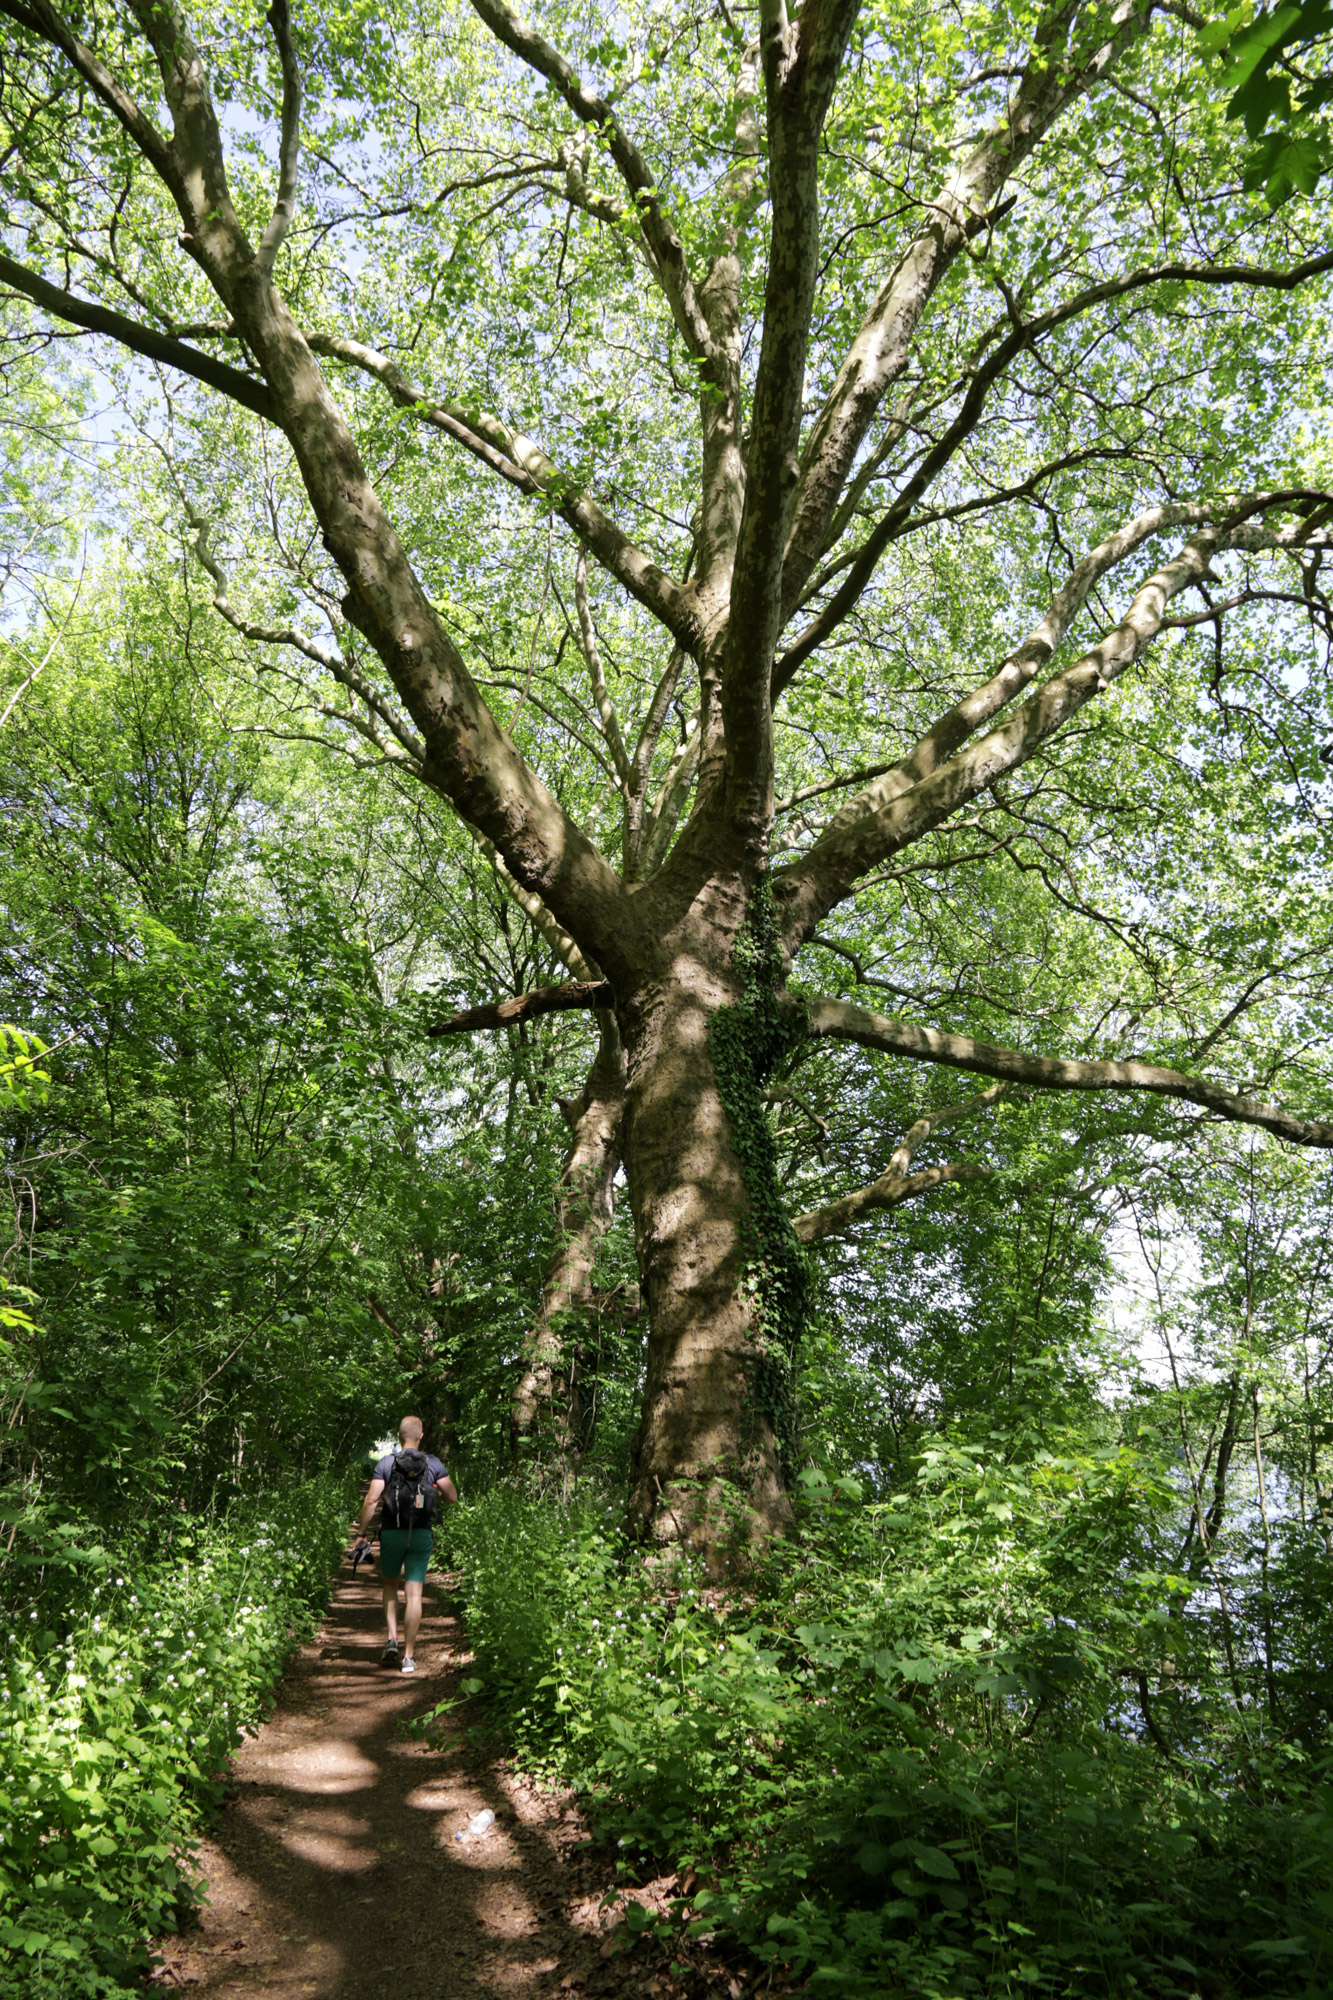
[706,1469]
[546,1402]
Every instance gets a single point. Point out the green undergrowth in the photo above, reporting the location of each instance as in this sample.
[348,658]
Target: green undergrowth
[909,1759]
[123,1695]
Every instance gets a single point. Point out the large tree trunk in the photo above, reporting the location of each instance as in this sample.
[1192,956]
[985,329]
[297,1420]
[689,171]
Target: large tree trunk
[546,1407]
[707,1468]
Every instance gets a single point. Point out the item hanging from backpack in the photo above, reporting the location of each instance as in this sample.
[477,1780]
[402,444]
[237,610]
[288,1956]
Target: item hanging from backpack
[410,1498]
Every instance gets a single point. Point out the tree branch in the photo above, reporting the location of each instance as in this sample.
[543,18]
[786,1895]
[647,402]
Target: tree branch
[411,748]
[241,388]
[535,910]
[801,63]
[880,351]
[660,825]
[1024,334]
[889,1191]
[42,20]
[954,727]
[289,146]
[886,818]
[214,235]
[895,1184]
[840,1020]
[808,792]
[650,733]
[606,711]
[665,249]
[469,759]
[931,1122]
[524,464]
[722,387]
[527,1007]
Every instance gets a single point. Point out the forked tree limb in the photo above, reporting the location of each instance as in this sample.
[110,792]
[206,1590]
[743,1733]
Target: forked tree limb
[407,748]
[664,246]
[470,759]
[889,1191]
[840,1020]
[523,464]
[886,817]
[407,751]
[139,339]
[1053,78]
[570,993]
[948,734]
[896,1185]
[1020,338]
[43,21]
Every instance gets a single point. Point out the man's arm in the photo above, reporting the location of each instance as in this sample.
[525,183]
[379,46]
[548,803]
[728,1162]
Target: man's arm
[368,1506]
[446,1489]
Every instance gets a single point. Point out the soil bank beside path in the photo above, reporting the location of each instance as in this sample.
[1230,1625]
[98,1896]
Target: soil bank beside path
[334,1873]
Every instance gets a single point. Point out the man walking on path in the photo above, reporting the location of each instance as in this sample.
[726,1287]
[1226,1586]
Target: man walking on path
[412,1482]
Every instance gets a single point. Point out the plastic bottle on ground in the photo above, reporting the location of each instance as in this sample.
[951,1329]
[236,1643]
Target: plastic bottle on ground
[474,1829]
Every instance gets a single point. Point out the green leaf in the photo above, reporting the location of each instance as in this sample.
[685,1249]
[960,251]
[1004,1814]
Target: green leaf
[932,1861]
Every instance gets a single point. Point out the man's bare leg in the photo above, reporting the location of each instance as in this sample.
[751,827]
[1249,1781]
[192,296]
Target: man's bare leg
[411,1618]
[390,1589]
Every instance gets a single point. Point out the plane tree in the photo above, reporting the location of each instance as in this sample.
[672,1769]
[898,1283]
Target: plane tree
[759,468]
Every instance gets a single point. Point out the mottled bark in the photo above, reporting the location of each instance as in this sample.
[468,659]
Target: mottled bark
[706,1466]
[841,1021]
[547,1398]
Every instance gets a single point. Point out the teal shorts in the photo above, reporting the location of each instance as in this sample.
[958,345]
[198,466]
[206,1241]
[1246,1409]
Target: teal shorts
[396,1559]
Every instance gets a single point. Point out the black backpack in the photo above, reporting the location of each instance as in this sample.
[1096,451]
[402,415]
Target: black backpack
[409,1492]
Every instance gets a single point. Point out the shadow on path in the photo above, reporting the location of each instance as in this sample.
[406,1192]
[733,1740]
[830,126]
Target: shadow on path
[334,1872]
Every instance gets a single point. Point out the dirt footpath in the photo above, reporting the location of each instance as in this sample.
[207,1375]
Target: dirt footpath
[334,1872]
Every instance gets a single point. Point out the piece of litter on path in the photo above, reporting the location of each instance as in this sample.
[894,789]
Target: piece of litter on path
[474,1829]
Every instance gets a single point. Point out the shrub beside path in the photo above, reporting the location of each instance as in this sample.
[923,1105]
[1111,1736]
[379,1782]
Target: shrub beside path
[334,1866]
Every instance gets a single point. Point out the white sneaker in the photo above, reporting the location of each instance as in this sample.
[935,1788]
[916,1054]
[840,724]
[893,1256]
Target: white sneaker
[409,1666]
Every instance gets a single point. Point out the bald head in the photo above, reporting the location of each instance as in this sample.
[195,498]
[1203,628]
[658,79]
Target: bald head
[410,1431]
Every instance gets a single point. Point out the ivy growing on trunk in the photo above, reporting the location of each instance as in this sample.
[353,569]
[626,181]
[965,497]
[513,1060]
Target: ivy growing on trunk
[748,1042]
